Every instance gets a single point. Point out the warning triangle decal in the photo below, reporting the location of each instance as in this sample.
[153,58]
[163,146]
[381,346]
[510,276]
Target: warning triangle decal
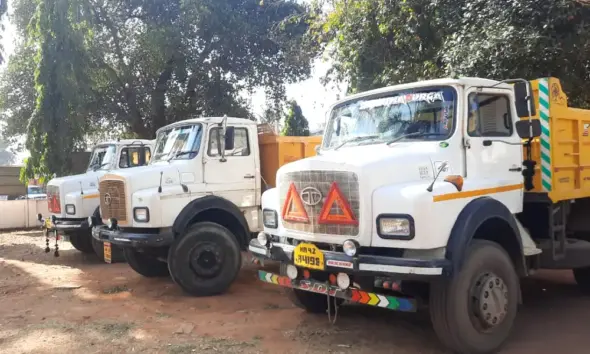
[335,196]
[293,209]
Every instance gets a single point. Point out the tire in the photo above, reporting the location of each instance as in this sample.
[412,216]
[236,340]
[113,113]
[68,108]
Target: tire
[308,301]
[453,302]
[205,260]
[82,241]
[582,276]
[144,264]
[117,255]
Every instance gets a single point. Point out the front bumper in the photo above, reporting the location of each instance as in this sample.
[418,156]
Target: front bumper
[126,238]
[64,225]
[359,264]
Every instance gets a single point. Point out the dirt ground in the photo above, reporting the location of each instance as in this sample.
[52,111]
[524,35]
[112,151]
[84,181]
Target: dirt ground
[75,304]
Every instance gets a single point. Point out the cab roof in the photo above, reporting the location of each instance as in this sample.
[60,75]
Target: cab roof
[463,81]
[212,120]
[126,142]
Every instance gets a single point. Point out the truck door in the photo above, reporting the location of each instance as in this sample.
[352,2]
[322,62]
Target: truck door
[235,179]
[492,147]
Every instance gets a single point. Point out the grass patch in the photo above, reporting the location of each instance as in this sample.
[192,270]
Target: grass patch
[114,329]
[116,289]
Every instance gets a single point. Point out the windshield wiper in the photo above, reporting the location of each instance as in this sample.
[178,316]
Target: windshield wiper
[98,167]
[357,139]
[180,153]
[411,135]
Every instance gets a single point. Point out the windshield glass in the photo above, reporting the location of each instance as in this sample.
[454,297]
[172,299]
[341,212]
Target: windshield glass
[425,113]
[181,142]
[102,157]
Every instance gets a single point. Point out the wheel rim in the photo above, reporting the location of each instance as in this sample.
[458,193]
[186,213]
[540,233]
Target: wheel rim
[206,259]
[489,306]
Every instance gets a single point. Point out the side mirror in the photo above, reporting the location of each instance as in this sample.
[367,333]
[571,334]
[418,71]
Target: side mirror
[524,102]
[524,128]
[229,138]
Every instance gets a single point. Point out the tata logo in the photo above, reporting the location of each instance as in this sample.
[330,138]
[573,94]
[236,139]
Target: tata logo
[108,199]
[311,196]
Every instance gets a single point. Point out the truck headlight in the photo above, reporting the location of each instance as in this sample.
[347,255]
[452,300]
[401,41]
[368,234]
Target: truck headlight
[70,209]
[396,227]
[141,214]
[270,218]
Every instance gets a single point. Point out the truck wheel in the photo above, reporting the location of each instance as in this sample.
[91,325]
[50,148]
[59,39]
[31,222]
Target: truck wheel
[82,241]
[145,264]
[117,255]
[308,301]
[582,276]
[474,311]
[205,260]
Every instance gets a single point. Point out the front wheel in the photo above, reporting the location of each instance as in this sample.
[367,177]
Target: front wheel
[205,260]
[311,302]
[82,241]
[145,264]
[474,311]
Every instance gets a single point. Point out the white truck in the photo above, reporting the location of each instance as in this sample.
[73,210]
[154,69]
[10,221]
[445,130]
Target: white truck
[194,208]
[73,199]
[447,191]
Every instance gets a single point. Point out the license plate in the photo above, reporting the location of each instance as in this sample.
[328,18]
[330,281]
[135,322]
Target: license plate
[107,252]
[309,256]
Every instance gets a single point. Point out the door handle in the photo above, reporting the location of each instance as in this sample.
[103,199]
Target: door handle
[515,169]
[249,176]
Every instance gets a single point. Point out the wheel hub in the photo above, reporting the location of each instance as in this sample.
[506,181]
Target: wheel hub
[206,260]
[490,300]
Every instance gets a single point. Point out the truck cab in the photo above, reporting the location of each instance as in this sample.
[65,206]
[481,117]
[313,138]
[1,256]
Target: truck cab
[73,199]
[192,210]
[418,192]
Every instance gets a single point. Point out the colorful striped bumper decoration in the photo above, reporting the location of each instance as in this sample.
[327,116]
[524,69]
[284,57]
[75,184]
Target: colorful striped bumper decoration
[544,105]
[352,295]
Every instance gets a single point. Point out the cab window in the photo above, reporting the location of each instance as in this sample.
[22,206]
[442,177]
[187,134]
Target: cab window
[241,143]
[130,157]
[489,115]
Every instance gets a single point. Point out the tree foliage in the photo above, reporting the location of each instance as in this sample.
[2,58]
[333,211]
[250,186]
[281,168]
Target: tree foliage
[130,67]
[295,123]
[375,43]
[3,9]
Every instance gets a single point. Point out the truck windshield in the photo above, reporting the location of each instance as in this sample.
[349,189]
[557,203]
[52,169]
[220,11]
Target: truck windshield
[180,142]
[419,114]
[102,157]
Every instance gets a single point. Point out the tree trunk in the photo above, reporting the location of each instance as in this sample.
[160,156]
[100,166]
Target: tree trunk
[159,96]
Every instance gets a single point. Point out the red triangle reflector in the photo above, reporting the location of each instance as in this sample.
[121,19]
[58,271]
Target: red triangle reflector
[335,196]
[293,209]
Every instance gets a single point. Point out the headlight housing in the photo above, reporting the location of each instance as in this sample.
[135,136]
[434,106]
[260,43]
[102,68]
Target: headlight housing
[70,209]
[395,227]
[141,214]
[270,218]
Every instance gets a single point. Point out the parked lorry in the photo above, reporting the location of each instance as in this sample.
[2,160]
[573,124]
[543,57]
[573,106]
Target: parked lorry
[73,199]
[446,191]
[194,208]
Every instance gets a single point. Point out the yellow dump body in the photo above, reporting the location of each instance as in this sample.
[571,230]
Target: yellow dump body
[276,151]
[562,152]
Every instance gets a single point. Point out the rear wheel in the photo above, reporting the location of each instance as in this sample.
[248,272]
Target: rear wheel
[82,241]
[308,301]
[474,311]
[147,265]
[205,260]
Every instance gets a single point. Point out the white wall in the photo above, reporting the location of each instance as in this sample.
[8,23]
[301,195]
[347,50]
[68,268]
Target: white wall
[16,214]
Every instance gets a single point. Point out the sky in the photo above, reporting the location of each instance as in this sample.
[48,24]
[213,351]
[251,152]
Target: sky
[310,94]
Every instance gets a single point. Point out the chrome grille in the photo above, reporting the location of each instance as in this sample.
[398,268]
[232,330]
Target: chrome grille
[113,202]
[322,180]
[53,200]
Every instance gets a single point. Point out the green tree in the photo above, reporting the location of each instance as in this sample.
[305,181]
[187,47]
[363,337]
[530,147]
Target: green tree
[112,68]
[3,9]
[295,123]
[375,43]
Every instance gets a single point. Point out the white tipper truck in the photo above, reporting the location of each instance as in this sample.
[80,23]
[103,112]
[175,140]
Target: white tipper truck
[193,209]
[445,191]
[73,199]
